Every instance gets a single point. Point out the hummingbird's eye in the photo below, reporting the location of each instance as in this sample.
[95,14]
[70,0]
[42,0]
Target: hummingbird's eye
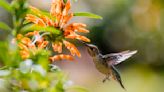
[92,49]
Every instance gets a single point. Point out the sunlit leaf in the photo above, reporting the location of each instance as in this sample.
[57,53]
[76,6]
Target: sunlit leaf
[87,14]
[4,26]
[28,28]
[4,4]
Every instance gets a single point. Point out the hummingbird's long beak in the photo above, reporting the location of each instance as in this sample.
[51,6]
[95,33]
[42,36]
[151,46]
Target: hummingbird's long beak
[86,44]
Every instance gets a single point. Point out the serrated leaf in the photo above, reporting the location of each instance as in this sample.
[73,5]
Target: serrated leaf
[33,27]
[4,26]
[4,4]
[87,14]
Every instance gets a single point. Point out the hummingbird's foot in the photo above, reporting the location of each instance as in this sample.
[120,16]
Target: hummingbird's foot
[104,80]
[107,78]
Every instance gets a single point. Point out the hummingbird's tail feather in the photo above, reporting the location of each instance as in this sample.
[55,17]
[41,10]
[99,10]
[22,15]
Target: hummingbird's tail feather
[117,77]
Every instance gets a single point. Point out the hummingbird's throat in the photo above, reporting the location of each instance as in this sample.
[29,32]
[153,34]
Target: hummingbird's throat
[93,53]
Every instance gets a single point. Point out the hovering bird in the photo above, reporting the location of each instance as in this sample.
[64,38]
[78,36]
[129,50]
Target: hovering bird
[105,63]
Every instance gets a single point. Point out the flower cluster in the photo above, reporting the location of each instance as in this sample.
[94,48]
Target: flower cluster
[58,19]
[28,46]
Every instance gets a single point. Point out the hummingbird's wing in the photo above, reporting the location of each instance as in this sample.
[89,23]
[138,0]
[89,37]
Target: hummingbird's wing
[116,76]
[116,58]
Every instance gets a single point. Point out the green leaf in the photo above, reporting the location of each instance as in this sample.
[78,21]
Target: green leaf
[4,67]
[26,22]
[65,1]
[59,86]
[73,0]
[4,48]
[4,4]
[87,14]
[28,28]
[4,26]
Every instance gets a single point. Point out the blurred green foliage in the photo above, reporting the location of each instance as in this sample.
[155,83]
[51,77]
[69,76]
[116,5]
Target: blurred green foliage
[35,74]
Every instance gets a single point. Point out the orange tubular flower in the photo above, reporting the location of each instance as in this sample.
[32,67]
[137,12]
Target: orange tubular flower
[35,20]
[57,46]
[61,57]
[60,12]
[72,48]
[24,44]
[32,33]
[24,54]
[42,44]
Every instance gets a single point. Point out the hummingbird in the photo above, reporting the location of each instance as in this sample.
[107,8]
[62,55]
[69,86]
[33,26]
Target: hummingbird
[105,64]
